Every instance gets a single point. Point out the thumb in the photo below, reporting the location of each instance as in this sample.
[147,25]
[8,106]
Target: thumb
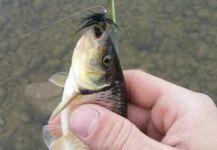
[102,129]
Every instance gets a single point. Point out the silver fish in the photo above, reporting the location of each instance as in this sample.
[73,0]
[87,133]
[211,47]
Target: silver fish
[95,77]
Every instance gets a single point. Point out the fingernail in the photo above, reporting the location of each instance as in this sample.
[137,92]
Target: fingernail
[84,120]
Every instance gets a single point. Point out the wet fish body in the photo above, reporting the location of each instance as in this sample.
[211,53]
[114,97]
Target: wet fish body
[95,77]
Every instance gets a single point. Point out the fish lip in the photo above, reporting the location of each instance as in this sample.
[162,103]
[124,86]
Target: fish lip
[101,37]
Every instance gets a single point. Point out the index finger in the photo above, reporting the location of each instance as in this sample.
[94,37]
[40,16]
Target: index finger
[145,89]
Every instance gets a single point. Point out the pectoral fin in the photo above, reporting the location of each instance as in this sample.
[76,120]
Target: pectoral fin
[62,105]
[59,78]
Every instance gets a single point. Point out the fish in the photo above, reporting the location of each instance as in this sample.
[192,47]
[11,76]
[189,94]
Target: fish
[95,77]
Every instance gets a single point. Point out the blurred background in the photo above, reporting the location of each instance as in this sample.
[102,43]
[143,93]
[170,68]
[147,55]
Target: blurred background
[173,39]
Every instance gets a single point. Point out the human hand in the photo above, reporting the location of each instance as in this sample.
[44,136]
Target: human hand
[161,116]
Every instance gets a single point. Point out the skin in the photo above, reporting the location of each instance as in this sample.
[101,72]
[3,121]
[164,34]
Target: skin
[161,116]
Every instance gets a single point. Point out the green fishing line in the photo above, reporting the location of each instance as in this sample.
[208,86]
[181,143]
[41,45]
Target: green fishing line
[113,7]
[113,11]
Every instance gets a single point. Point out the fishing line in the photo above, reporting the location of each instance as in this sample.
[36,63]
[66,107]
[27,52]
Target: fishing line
[114,18]
[24,35]
[113,11]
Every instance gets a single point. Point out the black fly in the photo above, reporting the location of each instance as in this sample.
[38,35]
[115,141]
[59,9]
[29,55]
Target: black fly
[97,19]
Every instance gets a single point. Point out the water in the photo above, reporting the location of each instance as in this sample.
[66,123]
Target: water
[172,39]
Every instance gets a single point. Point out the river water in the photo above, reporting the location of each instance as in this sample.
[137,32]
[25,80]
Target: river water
[173,39]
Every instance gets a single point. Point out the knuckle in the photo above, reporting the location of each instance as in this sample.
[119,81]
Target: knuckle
[203,96]
[124,137]
[203,101]
[117,136]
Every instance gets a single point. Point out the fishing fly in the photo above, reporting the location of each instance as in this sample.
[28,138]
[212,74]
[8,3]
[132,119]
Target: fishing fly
[97,19]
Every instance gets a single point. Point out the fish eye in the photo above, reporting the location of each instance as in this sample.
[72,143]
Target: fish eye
[98,31]
[107,60]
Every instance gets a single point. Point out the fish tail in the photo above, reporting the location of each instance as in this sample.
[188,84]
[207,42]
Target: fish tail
[56,140]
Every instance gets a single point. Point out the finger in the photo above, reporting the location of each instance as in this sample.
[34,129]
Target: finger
[142,119]
[139,116]
[102,129]
[162,97]
[144,89]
